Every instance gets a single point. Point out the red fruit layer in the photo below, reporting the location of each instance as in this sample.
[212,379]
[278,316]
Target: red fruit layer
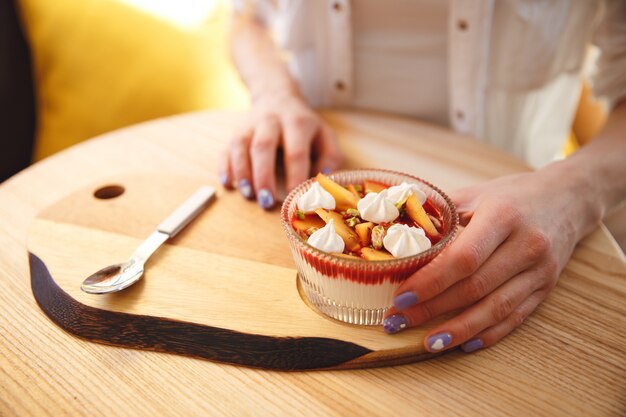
[369,273]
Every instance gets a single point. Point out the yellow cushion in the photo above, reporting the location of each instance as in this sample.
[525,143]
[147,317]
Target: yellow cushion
[103,64]
[571,145]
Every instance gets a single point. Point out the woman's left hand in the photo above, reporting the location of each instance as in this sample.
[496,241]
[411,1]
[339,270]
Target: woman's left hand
[520,232]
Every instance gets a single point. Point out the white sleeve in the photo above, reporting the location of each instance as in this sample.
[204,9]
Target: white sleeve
[609,81]
[262,10]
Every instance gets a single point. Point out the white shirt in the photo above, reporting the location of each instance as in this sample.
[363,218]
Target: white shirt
[400,59]
[513,66]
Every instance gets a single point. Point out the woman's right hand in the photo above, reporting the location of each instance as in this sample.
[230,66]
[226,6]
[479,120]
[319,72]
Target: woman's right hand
[279,121]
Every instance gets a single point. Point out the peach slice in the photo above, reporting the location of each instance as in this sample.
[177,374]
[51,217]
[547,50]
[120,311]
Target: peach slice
[364,231]
[349,236]
[353,190]
[376,255]
[373,186]
[417,213]
[308,222]
[344,199]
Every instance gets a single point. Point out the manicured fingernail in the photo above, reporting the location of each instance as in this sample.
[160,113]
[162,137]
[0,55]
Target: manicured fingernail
[224,180]
[405,300]
[326,171]
[245,188]
[395,323]
[439,341]
[472,345]
[265,198]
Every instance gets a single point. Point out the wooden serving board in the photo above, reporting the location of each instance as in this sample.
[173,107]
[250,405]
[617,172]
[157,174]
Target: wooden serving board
[224,289]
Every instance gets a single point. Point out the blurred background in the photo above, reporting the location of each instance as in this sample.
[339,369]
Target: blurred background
[73,69]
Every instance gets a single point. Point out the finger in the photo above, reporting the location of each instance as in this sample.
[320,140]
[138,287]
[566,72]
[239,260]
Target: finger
[466,201]
[462,197]
[240,164]
[297,139]
[494,334]
[330,157]
[487,230]
[263,159]
[224,172]
[493,309]
[495,271]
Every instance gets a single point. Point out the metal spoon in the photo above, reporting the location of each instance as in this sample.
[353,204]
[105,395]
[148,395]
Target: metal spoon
[117,277]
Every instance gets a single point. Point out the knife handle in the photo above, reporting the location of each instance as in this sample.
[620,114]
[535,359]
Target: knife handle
[187,211]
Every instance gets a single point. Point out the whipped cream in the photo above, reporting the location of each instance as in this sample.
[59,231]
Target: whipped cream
[400,193]
[377,208]
[314,198]
[402,240]
[326,239]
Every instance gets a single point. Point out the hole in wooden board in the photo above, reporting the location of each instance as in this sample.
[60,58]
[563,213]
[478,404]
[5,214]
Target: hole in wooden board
[109,191]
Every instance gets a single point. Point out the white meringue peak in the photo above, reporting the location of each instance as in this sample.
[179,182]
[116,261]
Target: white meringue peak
[402,240]
[314,198]
[377,208]
[326,239]
[399,193]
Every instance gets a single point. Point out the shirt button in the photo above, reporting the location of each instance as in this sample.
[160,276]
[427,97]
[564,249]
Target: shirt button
[337,6]
[462,24]
[340,85]
[460,115]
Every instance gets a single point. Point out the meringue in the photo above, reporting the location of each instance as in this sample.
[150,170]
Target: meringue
[326,239]
[314,198]
[399,193]
[402,240]
[377,208]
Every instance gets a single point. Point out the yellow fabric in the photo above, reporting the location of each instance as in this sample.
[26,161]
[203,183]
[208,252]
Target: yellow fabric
[591,115]
[571,145]
[102,64]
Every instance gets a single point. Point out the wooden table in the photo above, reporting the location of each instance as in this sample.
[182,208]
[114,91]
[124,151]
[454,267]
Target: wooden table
[568,358]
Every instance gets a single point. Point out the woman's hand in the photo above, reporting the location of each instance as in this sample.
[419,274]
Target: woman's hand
[520,232]
[280,121]
[279,118]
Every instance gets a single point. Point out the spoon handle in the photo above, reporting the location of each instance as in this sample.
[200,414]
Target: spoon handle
[187,211]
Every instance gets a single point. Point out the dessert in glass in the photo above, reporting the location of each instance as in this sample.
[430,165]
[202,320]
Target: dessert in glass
[356,235]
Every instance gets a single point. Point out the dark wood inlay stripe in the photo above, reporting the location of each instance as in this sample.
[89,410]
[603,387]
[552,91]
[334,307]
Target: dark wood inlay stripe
[184,338]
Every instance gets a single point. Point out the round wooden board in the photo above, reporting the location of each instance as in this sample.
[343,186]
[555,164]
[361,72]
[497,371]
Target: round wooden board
[224,289]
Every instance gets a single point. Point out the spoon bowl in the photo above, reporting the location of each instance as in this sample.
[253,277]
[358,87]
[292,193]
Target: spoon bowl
[113,278]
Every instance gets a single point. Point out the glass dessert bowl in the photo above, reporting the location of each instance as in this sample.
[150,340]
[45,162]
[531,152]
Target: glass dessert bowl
[354,252]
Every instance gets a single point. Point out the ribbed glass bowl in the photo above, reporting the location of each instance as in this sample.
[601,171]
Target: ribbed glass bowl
[359,291]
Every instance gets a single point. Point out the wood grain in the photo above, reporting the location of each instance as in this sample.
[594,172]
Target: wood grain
[567,359]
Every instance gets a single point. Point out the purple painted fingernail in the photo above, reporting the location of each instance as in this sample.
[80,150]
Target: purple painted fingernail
[395,323]
[472,345]
[405,300]
[224,180]
[439,341]
[326,171]
[265,198]
[245,188]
